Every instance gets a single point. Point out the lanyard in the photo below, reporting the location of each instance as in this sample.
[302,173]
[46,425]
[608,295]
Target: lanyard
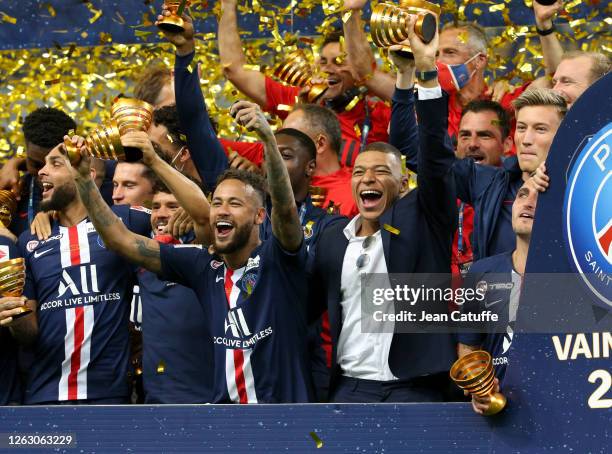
[31,202]
[303,212]
[367,124]
[460,229]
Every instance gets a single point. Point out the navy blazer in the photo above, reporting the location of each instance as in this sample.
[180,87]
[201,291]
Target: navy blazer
[423,224]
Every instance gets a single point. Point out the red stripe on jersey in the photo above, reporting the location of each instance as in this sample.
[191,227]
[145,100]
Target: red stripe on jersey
[238,354]
[75,251]
[75,358]
[326,344]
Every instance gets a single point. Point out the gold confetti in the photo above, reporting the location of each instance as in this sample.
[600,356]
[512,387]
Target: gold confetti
[391,229]
[161,367]
[317,440]
[498,7]
[352,104]
[9,19]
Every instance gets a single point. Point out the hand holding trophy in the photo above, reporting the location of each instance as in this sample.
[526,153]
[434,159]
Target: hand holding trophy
[173,22]
[12,280]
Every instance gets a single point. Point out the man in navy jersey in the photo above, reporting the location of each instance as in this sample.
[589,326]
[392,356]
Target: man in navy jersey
[177,349]
[501,277]
[253,292]
[10,385]
[79,292]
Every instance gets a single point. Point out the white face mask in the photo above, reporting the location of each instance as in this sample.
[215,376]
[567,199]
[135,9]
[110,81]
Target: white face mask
[178,153]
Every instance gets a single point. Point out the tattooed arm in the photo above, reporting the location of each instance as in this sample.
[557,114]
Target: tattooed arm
[116,236]
[285,220]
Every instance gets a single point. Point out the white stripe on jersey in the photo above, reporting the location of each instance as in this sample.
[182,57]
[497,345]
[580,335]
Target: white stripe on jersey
[230,366]
[65,247]
[68,349]
[85,352]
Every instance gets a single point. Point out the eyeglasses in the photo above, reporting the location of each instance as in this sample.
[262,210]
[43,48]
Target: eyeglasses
[364,258]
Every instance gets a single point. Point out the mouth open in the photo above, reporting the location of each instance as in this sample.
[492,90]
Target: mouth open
[477,156]
[224,228]
[332,81]
[161,227]
[46,187]
[370,198]
[526,216]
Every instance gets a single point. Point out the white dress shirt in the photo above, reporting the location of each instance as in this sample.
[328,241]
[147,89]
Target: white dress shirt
[362,355]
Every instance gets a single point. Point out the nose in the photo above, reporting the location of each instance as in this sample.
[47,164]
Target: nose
[368,176]
[118,194]
[528,137]
[43,171]
[474,143]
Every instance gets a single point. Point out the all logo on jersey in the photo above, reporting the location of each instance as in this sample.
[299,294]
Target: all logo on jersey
[236,324]
[587,213]
[87,284]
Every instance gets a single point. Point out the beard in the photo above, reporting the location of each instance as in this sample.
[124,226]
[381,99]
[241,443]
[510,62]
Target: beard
[62,196]
[241,238]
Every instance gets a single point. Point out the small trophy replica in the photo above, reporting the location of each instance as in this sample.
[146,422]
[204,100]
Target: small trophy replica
[317,195]
[389,23]
[12,280]
[174,22]
[8,206]
[104,142]
[297,70]
[474,373]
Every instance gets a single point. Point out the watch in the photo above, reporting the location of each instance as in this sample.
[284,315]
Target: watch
[424,76]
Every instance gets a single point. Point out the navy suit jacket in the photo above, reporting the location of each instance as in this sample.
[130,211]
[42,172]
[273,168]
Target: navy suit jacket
[419,241]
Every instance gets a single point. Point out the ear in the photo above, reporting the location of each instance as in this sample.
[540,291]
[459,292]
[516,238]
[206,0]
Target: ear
[260,217]
[321,143]
[404,187]
[310,168]
[482,60]
[508,143]
[185,155]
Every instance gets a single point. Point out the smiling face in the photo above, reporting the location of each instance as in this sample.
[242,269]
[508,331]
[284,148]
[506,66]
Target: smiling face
[299,165]
[376,182]
[236,211]
[536,127]
[333,62]
[57,182]
[163,207]
[481,139]
[572,78]
[523,209]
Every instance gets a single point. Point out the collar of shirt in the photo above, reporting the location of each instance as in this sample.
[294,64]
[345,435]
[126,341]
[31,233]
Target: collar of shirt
[350,231]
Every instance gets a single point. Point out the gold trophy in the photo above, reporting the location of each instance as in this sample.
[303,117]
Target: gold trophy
[317,195]
[8,206]
[174,22]
[12,280]
[298,71]
[474,373]
[104,142]
[389,23]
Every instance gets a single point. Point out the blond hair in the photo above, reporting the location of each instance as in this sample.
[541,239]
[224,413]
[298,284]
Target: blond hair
[600,63]
[540,97]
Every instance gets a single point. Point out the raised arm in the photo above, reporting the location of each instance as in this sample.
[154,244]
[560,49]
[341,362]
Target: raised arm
[250,82]
[189,196]
[551,47]
[116,236]
[206,151]
[360,53]
[403,131]
[285,220]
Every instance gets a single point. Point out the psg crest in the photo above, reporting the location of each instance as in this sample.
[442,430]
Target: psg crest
[587,214]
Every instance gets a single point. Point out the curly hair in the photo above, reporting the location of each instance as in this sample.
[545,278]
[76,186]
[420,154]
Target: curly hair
[254,180]
[167,116]
[46,127]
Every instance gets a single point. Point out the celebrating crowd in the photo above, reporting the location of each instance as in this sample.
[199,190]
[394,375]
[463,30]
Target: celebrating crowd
[214,270]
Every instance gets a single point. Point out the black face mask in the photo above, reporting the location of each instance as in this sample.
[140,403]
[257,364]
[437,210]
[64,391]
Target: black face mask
[338,103]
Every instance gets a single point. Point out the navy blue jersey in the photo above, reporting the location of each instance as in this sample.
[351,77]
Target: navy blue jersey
[10,386]
[83,292]
[257,319]
[503,286]
[177,349]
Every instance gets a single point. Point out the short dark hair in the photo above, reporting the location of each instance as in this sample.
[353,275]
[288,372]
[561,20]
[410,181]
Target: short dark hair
[47,126]
[305,141]
[324,120]
[151,82]
[147,173]
[333,36]
[254,180]
[168,116]
[485,105]
[383,147]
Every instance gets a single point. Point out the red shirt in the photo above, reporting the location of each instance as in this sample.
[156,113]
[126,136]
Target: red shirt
[253,151]
[338,185]
[281,97]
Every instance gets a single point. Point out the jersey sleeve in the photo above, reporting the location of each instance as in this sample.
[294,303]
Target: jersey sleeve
[136,219]
[29,289]
[185,265]
[280,97]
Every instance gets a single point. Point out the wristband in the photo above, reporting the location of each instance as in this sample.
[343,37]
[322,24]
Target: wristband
[424,76]
[546,32]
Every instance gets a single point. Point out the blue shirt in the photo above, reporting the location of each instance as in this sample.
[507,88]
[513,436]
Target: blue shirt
[177,349]
[502,284]
[83,293]
[257,319]
[10,386]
